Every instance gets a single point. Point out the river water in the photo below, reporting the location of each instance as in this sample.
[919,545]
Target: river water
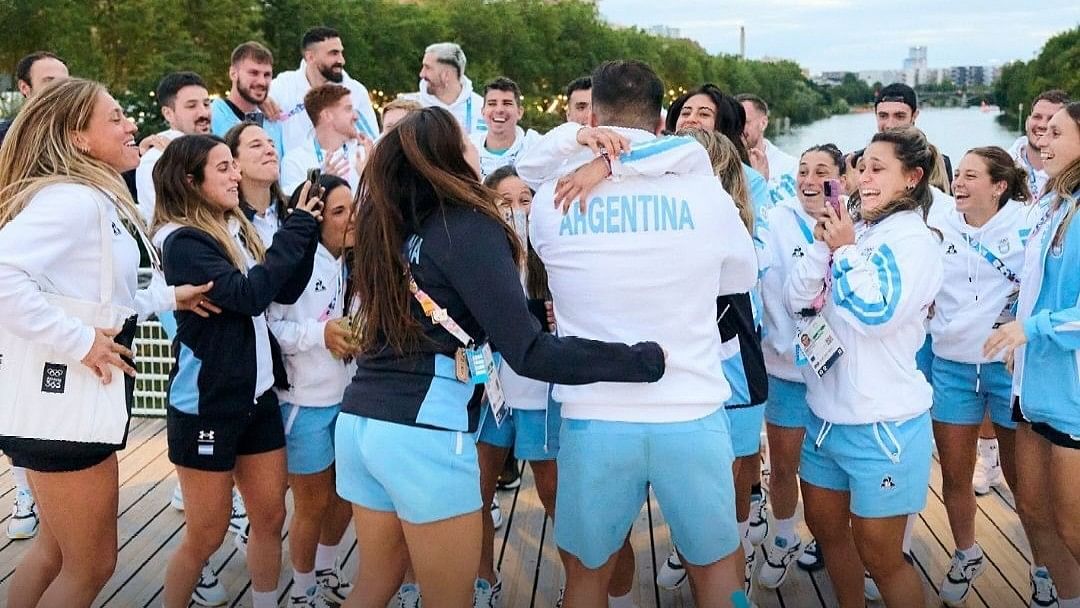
[952,130]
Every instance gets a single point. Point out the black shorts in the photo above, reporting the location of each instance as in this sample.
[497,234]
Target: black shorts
[54,456]
[212,443]
[1048,432]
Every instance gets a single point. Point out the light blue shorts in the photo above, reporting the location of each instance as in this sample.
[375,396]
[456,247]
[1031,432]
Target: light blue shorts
[924,359]
[963,392]
[534,434]
[885,466]
[786,406]
[424,475]
[605,469]
[746,425]
[309,437]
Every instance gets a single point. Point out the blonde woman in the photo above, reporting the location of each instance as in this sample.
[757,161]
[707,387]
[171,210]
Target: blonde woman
[47,199]
[223,418]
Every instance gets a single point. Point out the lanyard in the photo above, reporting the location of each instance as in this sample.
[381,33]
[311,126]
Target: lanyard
[468,115]
[342,277]
[1032,181]
[319,152]
[438,315]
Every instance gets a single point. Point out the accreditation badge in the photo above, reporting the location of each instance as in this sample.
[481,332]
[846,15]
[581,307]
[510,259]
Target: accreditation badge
[818,343]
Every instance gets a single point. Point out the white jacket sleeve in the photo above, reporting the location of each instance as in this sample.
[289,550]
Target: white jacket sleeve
[879,292]
[807,277]
[42,237]
[144,184]
[548,155]
[295,335]
[157,297]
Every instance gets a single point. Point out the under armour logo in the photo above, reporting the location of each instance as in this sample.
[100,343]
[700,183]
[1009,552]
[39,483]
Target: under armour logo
[206,443]
[887,483]
[797,253]
[950,250]
[54,378]
[319,285]
[206,435]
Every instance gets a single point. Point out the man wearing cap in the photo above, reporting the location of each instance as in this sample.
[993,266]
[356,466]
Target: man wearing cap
[443,84]
[897,105]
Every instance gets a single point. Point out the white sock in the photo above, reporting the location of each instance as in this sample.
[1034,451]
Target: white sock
[972,551]
[326,557]
[624,601]
[988,449]
[303,583]
[263,599]
[908,528]
[19,474]
[785,528]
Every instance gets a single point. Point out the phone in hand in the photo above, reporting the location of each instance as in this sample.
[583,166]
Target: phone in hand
[315,190]
[833,188]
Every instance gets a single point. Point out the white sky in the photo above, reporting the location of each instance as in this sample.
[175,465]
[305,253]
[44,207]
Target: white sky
[849,35]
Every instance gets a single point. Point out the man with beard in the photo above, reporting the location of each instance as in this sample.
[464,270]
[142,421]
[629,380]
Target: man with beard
[185,105]
[1024,151]
[443,84]
[777,166]
[323,62]
[251,69]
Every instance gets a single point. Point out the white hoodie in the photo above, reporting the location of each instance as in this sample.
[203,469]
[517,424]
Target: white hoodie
[1037,178]
[490,161]
[316,378]
[881,291]
[466,108]
[646,262]
[788,238]
[54,246]
[288,90]
[144,178]
[983,267]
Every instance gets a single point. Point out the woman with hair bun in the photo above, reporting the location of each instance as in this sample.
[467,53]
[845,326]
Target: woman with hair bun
[863,293]
[983,240]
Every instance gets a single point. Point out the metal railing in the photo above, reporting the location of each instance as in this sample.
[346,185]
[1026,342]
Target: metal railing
[153,362]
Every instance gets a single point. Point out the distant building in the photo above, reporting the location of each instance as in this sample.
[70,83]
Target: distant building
[664,31]
[916,59]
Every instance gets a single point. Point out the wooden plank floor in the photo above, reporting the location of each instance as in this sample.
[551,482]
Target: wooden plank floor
[149,531]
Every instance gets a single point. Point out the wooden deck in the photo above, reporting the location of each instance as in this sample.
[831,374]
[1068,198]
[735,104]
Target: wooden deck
[149,531]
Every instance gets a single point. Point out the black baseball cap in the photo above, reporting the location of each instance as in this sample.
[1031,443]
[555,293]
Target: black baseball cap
[898,91]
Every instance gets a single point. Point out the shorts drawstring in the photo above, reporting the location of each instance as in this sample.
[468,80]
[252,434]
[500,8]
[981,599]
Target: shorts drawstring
[894,458]
[547,412]
[293,413]
[978,376]
[822,434]
[460,443]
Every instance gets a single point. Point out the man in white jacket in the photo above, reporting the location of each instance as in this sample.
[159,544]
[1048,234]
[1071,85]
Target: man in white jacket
[443,84]
[670,245]
[185,105]
[504,141]
[778,167]
[1024,151]
[323,62]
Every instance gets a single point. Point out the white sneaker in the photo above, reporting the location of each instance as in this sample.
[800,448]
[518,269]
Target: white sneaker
[748,573]
[963,571]
[308,601]
[987,468]
[486,595]
[238,521]
[870,590]
[177,501]
[240,540]
[496,513]
[209,590]
[332,586]
[671,574]
[24,518]
[1043,591]
[408,596]
[811,559]
[759,520]
[779,553]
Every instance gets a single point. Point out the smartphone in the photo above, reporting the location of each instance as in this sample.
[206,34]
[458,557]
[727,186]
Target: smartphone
[833,189]
[315,190]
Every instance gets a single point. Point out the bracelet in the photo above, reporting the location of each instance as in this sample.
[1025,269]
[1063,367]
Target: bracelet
[607,160]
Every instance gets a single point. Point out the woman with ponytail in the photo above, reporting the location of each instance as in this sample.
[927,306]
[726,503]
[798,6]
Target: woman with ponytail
[866,290]
[983,239]
[1043,342]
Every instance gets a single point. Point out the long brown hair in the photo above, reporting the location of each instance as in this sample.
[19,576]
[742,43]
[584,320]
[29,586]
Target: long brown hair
[727,166]
[232,139]
[40,151]
[417,170]
[1065,184]
[177,176]
[1002,168]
